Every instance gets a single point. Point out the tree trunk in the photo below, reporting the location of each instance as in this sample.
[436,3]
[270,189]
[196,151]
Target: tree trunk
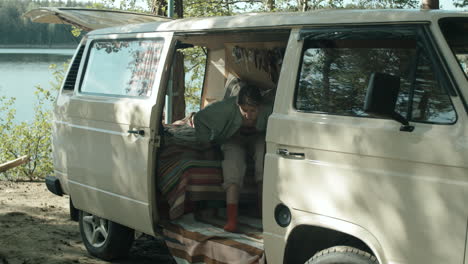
[179,8]
[430,4]
[303,5]
[270,5]
[159,7]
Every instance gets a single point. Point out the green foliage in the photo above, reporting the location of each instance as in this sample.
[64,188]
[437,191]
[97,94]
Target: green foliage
[384,4]
[128,5]
[203,8]
[194,64]
[30,138]
[460,3]
[17,30]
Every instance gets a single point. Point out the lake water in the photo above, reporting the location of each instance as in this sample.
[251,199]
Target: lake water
[23,69]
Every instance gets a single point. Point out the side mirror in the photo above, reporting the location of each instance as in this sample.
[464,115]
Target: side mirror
[381,97]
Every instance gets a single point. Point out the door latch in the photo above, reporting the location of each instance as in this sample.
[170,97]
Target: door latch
[290,155]
[137,132]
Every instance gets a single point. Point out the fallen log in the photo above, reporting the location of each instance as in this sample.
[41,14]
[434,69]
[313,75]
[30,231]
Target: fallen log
[14,163]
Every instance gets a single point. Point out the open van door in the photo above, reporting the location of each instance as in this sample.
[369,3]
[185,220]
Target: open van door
[105,132]
[89,19]
[114,127]
[107,127]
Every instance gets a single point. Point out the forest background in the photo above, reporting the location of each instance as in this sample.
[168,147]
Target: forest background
[33,138]
[17,32]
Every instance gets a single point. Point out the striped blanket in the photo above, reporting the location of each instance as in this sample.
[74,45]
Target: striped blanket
[189,171]
[198,240]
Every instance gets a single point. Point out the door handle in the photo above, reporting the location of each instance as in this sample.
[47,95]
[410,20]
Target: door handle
[291,155]
[137,132]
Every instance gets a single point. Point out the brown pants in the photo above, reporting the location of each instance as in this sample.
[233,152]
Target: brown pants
[236,150]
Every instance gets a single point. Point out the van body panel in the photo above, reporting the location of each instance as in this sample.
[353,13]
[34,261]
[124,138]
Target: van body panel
[60,152]
[275,246]
[287,20]
[108,167]
[104,203]
[404,188]
[305,218]
[466,246]
[60,131]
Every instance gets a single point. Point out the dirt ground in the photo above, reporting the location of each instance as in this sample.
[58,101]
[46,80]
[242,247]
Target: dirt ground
[35,227]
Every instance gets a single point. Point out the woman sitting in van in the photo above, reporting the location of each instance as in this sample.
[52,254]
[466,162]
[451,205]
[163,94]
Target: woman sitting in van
[238,124]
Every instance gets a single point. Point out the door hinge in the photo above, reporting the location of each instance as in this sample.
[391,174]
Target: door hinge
[156,141]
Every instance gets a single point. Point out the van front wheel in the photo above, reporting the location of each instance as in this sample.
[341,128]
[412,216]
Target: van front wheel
[342,255]
[103,238]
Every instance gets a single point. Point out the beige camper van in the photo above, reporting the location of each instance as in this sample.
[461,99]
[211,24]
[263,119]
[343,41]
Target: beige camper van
[366,149]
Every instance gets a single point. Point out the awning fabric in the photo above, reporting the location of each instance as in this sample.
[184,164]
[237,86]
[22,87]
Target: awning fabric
[89,19]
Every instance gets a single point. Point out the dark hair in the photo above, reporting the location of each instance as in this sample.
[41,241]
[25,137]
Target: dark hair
[249,95]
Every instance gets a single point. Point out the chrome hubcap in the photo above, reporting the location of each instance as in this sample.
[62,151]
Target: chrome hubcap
[96,229]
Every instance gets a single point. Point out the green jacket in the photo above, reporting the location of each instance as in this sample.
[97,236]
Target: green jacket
[221,120]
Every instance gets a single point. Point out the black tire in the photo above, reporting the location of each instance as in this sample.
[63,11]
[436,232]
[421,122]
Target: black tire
[117,242]
[342,255]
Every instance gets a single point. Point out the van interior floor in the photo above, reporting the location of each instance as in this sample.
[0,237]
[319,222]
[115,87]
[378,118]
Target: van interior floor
[202,239]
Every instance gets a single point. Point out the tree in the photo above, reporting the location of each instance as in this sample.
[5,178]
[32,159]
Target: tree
[430,4]
[460,3]
[365,4]
[32,139]
[17,30]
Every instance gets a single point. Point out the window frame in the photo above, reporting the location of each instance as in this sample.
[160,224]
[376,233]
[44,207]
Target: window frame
[69,82]
[424,37]
[445,64]
[88,55]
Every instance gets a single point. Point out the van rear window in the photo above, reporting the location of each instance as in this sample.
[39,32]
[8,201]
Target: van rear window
[124,68]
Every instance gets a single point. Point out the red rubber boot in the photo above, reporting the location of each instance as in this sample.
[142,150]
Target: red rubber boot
[231,225]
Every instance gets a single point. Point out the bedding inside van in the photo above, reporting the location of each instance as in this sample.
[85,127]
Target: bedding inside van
[190,172]
[203,240]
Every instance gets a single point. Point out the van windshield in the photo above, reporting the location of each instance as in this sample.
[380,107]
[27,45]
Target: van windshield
[455,31]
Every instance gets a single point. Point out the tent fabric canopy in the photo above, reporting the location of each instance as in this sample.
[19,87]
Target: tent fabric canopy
[89,19]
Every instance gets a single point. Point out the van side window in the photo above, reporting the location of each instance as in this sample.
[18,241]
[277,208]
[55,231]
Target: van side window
[122,67]
[431,102]
[336,67]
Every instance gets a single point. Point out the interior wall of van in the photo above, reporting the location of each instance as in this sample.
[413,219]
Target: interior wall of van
[215,77]
[252,57]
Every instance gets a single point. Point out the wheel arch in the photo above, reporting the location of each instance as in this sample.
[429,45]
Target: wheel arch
[312,234]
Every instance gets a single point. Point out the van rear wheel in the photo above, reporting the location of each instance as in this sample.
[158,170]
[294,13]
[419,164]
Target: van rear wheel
[342,255]
[103,238]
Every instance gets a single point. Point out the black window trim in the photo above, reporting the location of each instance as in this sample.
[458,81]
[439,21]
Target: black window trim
[444,61]
[70,82]
[423,32]
[85,67]
[206,51]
